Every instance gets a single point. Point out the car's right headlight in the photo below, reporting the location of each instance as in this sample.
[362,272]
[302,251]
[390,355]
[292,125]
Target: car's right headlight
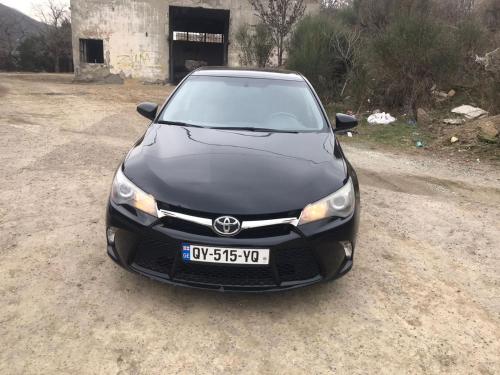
[339,204]
[125,192]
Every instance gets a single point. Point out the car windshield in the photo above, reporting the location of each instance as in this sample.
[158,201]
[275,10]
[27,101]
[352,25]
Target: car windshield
[246,103]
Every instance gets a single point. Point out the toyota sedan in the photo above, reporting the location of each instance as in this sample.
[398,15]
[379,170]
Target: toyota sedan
[238,184]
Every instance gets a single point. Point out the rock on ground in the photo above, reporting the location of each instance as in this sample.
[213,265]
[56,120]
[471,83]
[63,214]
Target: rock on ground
[470,112]
[423,117]
[453,121]
[489,128]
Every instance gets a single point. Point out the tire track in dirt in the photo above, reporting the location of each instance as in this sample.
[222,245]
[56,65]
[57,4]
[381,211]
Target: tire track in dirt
[428,186]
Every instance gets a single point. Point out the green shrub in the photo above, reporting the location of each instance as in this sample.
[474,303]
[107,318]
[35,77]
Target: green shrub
[309,52]
[262,45]
[412,55]
[324,51]
[32,58]
[244,40]
[471,38]
[400,50]
[255,45]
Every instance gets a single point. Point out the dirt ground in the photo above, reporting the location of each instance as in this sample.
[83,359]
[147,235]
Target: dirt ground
[423,297]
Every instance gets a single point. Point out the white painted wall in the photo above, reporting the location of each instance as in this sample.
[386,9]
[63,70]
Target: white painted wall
[135,33]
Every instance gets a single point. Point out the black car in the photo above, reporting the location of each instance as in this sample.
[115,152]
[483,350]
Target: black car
[239,183]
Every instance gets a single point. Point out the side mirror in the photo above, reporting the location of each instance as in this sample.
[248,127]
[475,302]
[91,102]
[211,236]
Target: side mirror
[148,110]
[345,122]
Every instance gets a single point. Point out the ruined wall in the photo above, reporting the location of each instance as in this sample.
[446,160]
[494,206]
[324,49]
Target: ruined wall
[135,34]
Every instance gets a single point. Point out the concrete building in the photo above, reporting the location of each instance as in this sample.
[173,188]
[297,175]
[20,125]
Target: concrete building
[156,40]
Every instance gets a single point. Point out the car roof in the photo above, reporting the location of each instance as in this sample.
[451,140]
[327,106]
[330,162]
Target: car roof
[249,73]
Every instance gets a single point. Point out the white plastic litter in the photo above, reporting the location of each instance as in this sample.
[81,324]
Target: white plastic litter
[381,119]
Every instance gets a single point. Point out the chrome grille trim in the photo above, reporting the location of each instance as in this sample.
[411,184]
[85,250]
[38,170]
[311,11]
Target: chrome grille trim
[193,219]
[267,223]
[244,225]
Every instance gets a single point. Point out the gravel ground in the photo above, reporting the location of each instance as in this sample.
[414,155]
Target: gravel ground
[423,297]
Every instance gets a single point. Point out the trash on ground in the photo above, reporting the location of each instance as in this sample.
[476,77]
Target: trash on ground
[454,140]
[442,96]
[349,134]
[453,121]
[470,112]
[420,144]
[381,119]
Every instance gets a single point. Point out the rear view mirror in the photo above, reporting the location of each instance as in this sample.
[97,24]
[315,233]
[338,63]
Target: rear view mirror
[148,110]
[345,122]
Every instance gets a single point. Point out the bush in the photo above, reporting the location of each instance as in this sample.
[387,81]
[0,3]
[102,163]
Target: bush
[309,52]
[471,38]
[412,55]
[324,51]
[397,51]
[262,45]
[32,58]
[255,46]
[245,45]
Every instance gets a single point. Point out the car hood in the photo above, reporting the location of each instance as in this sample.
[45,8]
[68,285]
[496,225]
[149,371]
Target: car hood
[235,172]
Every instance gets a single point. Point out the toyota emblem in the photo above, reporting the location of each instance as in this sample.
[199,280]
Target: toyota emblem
[227,226]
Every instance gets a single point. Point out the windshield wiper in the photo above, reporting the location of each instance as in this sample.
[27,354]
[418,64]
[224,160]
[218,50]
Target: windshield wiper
[254,129]
[243,128]
[180,123]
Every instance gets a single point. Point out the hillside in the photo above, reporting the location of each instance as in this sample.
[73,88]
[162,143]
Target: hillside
[15,25]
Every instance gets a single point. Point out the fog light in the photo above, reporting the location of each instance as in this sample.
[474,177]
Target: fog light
[347,245]
[110,234]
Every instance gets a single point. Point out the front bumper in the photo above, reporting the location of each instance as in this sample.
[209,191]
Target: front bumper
[299,256]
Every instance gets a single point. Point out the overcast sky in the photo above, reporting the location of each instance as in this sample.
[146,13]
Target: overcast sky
[26,6]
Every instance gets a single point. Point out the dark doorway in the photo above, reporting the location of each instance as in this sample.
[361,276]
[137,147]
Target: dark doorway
[198,37]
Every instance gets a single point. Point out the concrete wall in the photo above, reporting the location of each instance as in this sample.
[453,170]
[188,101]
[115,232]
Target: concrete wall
[135,34]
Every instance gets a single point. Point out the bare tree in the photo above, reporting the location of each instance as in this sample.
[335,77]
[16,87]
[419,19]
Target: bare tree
[345,44]
[279,16]
[57,31]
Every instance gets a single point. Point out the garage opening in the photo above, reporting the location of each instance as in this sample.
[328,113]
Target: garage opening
[198,37]
[92,51]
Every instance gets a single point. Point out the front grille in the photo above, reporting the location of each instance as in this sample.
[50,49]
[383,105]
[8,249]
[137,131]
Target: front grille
[213,215]
[156,256]
[296,264]
[165,258]
[188,227]
[225,275]
[201,230]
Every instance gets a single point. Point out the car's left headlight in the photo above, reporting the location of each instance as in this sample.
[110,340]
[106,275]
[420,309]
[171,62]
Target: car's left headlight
[125,192]
[339,204]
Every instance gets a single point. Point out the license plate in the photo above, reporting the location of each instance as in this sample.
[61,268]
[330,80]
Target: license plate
[224,255]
